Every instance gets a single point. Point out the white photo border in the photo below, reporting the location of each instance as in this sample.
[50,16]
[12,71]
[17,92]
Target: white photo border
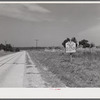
[39,93]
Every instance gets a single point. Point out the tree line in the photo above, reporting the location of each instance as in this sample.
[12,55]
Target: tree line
[8,47]
[83,43]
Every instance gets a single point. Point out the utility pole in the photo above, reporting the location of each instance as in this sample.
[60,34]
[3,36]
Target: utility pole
[5,42]
[36,41]
[5,49]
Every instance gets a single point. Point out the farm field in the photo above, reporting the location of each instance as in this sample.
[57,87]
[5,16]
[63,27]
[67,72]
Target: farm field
[83,70]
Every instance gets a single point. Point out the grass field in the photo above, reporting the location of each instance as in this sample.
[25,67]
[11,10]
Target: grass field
[3,53]
[83,70]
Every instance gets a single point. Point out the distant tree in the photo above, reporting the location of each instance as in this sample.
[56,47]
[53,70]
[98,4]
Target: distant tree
[65,41]
[84,43]
[17,49]
[74,40]
[8,47]
[92,45]
[2,47]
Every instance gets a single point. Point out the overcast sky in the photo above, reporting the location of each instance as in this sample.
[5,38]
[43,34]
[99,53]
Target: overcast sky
[21,24]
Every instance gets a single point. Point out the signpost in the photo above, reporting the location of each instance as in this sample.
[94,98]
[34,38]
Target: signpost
[70,48]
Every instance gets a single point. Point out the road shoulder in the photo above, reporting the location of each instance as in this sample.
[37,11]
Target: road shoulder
[50,80]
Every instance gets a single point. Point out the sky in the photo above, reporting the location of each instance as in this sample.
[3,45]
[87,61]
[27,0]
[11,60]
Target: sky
[22,24]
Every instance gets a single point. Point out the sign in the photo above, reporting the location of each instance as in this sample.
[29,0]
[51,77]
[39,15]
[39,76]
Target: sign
[70,47]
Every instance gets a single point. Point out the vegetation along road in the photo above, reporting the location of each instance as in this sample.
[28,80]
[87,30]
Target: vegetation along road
[45,69]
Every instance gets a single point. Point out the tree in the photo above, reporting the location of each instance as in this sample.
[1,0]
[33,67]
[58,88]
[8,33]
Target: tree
[17,49]
[8,47]
[65,41]
[74,40]
[2,47]
[84,43]
[92,45]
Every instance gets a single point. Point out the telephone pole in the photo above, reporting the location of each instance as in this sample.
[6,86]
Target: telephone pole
[5,46]
[36,41]
[5,42]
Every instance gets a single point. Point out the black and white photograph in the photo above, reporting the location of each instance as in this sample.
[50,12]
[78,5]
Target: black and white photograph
[49,45]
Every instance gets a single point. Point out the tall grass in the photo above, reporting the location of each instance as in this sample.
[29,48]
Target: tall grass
[82,71]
